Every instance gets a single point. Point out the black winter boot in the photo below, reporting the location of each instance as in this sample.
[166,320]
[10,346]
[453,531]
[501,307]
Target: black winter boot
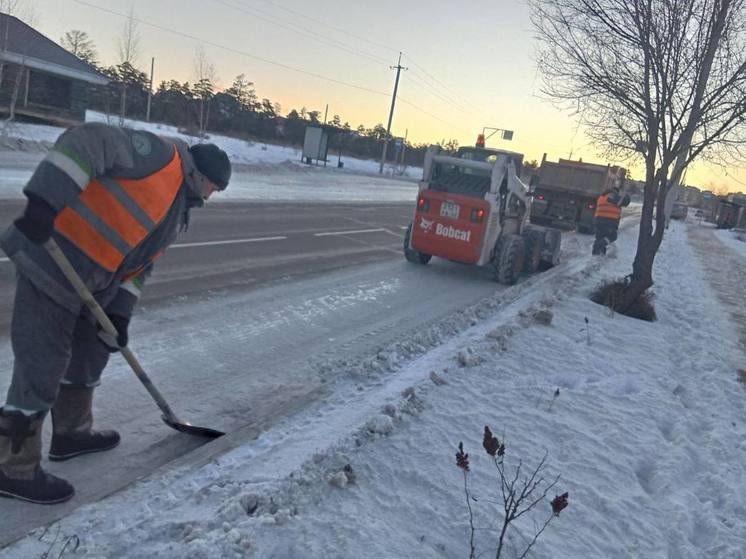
[21,477]
[72,422]
[599,246]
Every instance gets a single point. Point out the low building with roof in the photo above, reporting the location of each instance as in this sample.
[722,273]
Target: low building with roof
[41,79]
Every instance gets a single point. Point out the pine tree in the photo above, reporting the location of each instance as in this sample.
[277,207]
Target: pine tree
[81,45]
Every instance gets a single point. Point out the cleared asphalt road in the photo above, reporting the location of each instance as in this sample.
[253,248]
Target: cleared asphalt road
[332,291]
[242,245]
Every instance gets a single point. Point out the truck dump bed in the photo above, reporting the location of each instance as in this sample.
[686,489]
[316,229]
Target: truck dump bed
[585,179]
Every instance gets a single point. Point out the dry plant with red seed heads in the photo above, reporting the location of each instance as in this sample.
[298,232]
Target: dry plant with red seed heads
[518,494]
[462,461]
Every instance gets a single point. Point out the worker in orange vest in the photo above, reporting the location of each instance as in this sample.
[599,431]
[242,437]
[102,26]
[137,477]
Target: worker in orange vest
[608,214]
[113,199]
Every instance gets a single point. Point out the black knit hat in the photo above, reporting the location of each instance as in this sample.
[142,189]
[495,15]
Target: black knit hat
[212,162]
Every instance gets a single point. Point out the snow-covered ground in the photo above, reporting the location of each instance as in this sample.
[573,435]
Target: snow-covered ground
[33,137]
[277,182]
[735,240]
[261,171]
[644,422]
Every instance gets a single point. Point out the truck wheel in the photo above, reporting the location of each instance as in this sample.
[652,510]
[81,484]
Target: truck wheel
[411,255]
[534,242]
[508,261]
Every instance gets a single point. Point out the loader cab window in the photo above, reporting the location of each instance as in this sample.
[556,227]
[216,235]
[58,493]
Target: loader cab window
[476,155]
[458,180]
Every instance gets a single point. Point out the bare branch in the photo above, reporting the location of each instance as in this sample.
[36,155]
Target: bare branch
[660,79]
[129,40]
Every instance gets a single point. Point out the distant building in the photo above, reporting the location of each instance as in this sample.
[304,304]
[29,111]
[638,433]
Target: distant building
[48,83]
[689,195]
[738,199]
[727,214]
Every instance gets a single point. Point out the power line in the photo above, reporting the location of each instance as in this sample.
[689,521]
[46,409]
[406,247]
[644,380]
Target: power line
[338,29]
[451,99]
[440,83]
[444,91]
[234,50]
[431,115]
[427,88]
[257,13]
[264,60]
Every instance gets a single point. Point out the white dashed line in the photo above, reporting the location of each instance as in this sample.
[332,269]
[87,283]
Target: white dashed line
[348,232]
[258,239]
[231,242]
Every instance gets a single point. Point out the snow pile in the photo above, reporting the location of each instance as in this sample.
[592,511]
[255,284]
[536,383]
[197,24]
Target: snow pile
[648,432]
[258,156]
[18,136]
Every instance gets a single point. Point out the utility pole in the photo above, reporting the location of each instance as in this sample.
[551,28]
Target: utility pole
[150,89]
[326,111]
[399,68]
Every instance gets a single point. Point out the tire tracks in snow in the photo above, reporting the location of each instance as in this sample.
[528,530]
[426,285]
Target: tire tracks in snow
[726,272]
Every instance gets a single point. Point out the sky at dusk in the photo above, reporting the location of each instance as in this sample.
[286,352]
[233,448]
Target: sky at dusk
[470,64]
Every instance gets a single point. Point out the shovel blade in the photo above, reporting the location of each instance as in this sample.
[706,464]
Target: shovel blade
[190,429]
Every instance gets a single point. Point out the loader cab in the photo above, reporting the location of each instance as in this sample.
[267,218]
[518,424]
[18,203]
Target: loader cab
[488,155]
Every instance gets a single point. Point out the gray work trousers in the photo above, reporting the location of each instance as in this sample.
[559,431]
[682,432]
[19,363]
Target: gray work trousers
[51,345]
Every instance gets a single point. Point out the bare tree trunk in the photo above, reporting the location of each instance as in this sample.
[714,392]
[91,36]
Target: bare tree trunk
[661,184]
[14,95]
[649,240]
[123,105]
[207,118]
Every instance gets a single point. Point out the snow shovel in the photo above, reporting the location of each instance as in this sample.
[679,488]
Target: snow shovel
[168,416]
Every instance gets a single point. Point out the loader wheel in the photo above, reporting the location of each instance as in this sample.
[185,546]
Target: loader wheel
[534,242]
[553,240]
[412,255]
[508,260]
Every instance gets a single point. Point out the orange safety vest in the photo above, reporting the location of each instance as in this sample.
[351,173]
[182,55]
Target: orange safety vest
[112,216]
[604,208]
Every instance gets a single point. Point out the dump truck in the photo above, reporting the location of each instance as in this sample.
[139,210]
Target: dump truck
[473,208]
[565,193]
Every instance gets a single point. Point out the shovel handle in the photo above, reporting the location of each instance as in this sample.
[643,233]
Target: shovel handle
[87,297]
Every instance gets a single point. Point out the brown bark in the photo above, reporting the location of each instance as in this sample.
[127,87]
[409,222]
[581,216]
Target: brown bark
[649,240]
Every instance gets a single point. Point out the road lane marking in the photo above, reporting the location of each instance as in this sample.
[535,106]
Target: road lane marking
[385,229]
[230,242]
[257,239]
[331,233]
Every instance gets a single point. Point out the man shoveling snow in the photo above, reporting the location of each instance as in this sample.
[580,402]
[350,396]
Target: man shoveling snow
[113,199]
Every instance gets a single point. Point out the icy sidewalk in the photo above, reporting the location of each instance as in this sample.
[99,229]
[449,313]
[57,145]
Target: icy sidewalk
[726,272]
[648,433]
